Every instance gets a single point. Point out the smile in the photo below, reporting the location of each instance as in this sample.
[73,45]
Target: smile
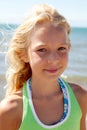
[51,70]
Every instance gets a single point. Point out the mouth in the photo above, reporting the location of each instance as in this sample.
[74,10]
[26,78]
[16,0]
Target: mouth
[51,70]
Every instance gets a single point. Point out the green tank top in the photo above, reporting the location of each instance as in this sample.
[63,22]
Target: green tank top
[30,121]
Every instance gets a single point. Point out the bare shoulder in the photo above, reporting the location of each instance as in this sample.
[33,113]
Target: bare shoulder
[79,90]
[81,95]
[11,112]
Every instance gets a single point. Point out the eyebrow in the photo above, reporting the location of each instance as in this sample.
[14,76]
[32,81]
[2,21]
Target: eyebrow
[45,45]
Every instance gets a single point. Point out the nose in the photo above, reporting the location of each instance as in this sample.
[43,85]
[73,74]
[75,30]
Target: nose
[53,57]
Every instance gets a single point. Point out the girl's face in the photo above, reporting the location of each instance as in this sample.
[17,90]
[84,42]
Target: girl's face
[48,51]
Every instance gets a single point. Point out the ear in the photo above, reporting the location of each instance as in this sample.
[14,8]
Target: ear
[24,56]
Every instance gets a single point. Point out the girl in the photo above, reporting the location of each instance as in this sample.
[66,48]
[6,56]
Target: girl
[37,97]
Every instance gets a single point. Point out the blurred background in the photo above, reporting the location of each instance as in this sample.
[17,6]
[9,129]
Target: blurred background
[12,14]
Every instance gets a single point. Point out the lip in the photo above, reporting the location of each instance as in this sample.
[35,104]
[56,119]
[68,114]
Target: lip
[51,70]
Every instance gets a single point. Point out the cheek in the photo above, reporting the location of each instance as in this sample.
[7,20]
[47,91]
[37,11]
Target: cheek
[65,58]
[36,60]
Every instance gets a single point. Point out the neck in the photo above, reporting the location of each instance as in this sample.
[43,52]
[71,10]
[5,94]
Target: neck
[44,89]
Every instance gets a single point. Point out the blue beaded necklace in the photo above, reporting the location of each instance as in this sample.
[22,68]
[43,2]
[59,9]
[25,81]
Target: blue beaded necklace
[65,99]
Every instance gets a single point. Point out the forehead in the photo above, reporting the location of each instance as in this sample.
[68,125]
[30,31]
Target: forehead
[49,33]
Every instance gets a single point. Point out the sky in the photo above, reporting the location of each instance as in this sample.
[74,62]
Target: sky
[75,11]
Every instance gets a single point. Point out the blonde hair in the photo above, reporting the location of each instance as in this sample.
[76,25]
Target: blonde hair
[19,71]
